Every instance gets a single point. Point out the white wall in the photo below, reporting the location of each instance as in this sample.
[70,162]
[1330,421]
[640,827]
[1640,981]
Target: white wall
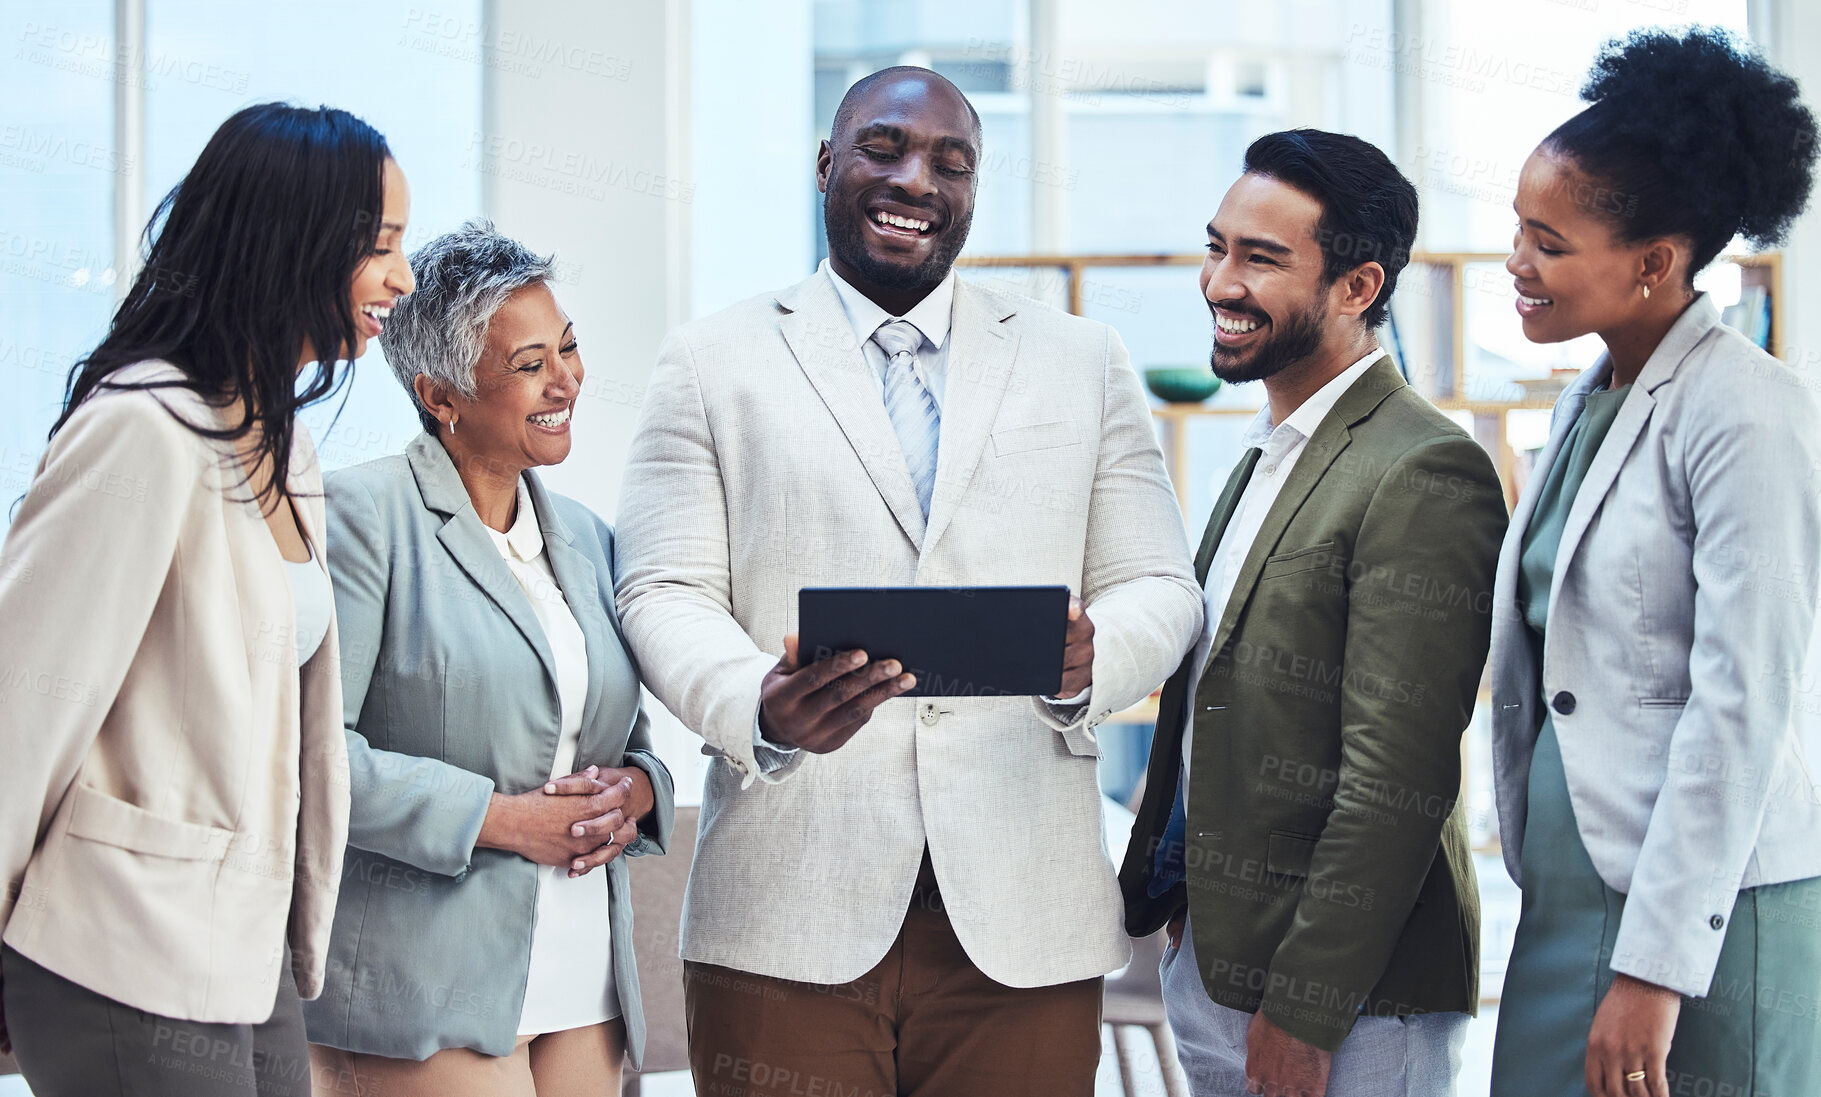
[582,153]
[576,157]
[752,148]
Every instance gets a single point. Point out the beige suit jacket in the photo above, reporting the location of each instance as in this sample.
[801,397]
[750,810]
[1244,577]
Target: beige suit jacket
[766,463]
[174,792]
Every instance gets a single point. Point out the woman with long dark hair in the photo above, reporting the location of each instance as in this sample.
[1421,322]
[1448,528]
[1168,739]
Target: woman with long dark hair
[174,801]
[1655,604]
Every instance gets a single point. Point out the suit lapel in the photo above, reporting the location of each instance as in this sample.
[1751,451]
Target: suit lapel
[1220,519]
[1330,438]
[818,332]
[1567,410]
[1166,750]
[1700,317]
[305,485]
[466,540]
[980,352]
[1601,473]
[577,579]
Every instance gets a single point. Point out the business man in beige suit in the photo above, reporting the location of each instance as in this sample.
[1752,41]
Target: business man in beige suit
[896,895]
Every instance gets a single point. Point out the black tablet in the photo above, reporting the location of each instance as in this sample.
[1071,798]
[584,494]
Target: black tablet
[958,641]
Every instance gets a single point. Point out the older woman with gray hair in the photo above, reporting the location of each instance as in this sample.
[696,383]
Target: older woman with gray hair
[499,752]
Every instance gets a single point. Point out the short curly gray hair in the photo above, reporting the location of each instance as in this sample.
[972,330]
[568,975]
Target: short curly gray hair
[439,329]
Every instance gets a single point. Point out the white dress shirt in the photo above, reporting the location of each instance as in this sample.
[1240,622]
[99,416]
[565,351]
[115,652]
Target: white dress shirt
[570,982]
[932,316]
[1282,445]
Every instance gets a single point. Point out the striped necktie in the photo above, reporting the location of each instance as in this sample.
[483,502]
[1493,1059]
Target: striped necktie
[910,406]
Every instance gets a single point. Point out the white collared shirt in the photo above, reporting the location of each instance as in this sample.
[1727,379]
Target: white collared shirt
[1282,445]
[933,316]
[569,983]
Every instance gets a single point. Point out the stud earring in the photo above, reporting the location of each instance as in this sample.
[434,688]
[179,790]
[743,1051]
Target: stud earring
[452,421]
[1646,293]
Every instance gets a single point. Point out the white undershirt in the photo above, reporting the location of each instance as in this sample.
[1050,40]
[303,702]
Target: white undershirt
[313,601]
[570,982]
[1282,445]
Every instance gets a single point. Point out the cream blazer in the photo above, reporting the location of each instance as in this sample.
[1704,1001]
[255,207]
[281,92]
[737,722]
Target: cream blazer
[173,786]
[766,463]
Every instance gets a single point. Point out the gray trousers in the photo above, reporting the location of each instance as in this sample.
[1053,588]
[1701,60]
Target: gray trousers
[1382,1057]
[73,1042]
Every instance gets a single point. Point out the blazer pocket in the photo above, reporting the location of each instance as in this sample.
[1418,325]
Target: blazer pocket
[1662,702]
[1034,437]
[98,817]
[1312,558]
[1289,854]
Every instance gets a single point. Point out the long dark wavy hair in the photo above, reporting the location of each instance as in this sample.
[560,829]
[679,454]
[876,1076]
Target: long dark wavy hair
[246,259]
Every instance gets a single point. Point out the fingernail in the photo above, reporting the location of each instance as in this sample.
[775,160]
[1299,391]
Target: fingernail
[908,681]
[550,788]
[858,658]
[576,830]
[891,667]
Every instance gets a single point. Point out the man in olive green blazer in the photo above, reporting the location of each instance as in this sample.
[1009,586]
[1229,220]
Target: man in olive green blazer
[1316,851]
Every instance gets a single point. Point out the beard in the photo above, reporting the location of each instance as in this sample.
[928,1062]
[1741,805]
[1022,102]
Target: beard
[1297,337]
[847,242]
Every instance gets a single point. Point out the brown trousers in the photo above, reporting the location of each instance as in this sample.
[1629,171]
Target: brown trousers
[924,1022]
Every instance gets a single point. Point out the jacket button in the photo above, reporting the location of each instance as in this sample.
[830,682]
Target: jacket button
[1563,703]
[1717,922]
[930,715]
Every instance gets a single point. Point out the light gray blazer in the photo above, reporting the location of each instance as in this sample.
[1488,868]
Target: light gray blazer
[764,463]
[1679,621]
[449,690]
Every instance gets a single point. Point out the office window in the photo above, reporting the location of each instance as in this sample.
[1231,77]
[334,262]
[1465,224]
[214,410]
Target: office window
[58,167]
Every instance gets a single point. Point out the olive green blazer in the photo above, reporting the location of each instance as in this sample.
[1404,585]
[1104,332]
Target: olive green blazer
[1327,860]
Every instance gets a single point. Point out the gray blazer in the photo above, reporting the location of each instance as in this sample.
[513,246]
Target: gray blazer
[449,691]
[1680,618]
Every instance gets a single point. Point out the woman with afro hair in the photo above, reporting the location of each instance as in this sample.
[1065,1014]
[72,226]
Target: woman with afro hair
[1655,601]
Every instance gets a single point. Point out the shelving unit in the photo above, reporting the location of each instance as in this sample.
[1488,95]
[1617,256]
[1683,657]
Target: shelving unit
[1443,380]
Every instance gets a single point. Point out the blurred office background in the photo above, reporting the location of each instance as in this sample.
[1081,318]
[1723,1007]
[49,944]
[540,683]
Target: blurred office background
[665,152]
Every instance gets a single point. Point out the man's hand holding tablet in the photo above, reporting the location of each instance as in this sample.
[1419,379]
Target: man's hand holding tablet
[983,641]
[1078,654]
[820,706]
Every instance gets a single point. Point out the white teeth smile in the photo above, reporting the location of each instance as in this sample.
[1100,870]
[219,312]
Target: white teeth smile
[1234,327]
[378,312]
[1536,302]
[895,221]
[554,419]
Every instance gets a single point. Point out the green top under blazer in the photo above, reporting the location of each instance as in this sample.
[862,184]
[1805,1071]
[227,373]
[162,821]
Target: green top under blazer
[449,690]
[1327,859]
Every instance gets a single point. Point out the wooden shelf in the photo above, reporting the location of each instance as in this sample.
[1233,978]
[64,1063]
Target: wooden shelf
[1764,269]
[1193,411]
